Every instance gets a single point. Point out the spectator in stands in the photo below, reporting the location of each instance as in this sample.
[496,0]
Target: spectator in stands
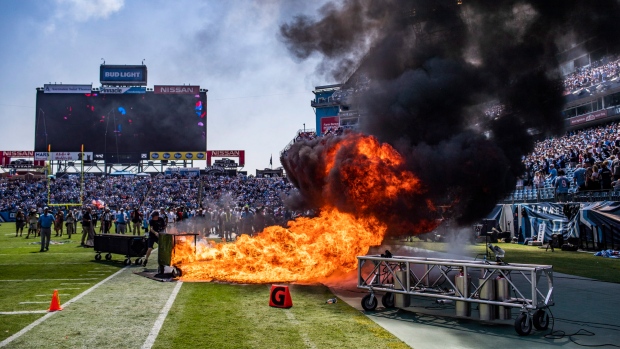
[595,178]
[562,184]
[579,177]
[605,175]
[552,172]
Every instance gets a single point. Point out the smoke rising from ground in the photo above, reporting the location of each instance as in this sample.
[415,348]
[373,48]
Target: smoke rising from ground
[431,65]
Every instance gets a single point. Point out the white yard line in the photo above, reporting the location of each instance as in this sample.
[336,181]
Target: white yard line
[50,279]
[66,288]
[48,315]
[76,283]
[304,336]
[150,340]
[33,302]
[47,295]
[22,312]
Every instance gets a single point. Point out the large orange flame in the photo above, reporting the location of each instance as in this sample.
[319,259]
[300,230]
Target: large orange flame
[308,249]
[312,248]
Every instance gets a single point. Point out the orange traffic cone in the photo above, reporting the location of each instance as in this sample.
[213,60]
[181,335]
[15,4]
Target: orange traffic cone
[55,305]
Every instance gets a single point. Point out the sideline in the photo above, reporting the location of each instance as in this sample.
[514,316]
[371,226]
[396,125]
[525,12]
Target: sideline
[48,315]
[150,340]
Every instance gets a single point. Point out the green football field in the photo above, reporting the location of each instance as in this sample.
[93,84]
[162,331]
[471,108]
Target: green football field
[107,305]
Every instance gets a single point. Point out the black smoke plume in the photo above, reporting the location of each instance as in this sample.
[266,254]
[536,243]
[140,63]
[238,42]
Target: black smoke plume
[429,69]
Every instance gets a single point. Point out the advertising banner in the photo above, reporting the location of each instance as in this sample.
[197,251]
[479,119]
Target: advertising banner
[48,88]
[17,153]
[74,156]
[588,117]
[177,90]
[226,154]
[177,155]
[122,90]
[329,122]
[123,74]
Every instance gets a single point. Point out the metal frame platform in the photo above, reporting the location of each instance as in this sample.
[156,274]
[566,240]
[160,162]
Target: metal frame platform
[527,287]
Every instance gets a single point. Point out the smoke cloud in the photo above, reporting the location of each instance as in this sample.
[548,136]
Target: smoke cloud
[430,68]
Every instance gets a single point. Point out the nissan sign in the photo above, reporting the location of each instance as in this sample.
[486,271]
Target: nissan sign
[177,90]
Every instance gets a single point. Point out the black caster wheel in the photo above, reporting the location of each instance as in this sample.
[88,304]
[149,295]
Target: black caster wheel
[138,261]
[176,272]
[541,320]
[388,300]
[98,257]
[108,256]
[369,302]
[127,261]
[523,324]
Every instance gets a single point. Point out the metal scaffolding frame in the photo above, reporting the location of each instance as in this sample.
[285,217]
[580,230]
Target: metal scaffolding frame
[439,279]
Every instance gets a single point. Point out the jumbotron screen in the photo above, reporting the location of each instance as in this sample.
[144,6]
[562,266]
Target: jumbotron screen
[121,128]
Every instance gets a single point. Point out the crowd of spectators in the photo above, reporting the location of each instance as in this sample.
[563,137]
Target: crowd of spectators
[208,197]
[592,75]
[595,149]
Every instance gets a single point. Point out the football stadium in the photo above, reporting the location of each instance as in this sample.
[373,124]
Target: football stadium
[458,188]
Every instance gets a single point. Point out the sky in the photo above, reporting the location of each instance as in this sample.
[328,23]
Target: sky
[259,95]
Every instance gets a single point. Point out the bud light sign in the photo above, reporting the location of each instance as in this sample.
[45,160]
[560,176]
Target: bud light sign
[123,75]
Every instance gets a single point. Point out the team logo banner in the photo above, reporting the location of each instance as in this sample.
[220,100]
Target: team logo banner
[177,155]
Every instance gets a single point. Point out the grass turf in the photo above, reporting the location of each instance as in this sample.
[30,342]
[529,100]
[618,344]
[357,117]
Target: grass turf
[211,315]
[29,277]
[569,262]
[203,314]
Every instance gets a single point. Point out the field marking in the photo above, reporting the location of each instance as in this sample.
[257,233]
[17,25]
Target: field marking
[47,263]
[47,295]
[304,336]
[48,315]
[75,283]
[22,312]
[66,288]
[150,340]
[50,279]
[33,302]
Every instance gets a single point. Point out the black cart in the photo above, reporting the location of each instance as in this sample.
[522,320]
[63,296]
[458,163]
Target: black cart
[165,250]
[128,245]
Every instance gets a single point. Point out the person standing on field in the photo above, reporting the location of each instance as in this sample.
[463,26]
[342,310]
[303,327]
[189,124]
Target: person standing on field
[20,221]
[33,220]
[70,227]
[156,226]
[45,226]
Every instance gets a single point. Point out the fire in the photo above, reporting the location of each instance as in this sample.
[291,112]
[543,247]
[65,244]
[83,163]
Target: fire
[366,177]
[310,248]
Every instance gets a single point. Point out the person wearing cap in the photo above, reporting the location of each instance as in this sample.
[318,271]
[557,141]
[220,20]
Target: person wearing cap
[33,220]
[121,221]
[20,221]
[156,226]
[45,227]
